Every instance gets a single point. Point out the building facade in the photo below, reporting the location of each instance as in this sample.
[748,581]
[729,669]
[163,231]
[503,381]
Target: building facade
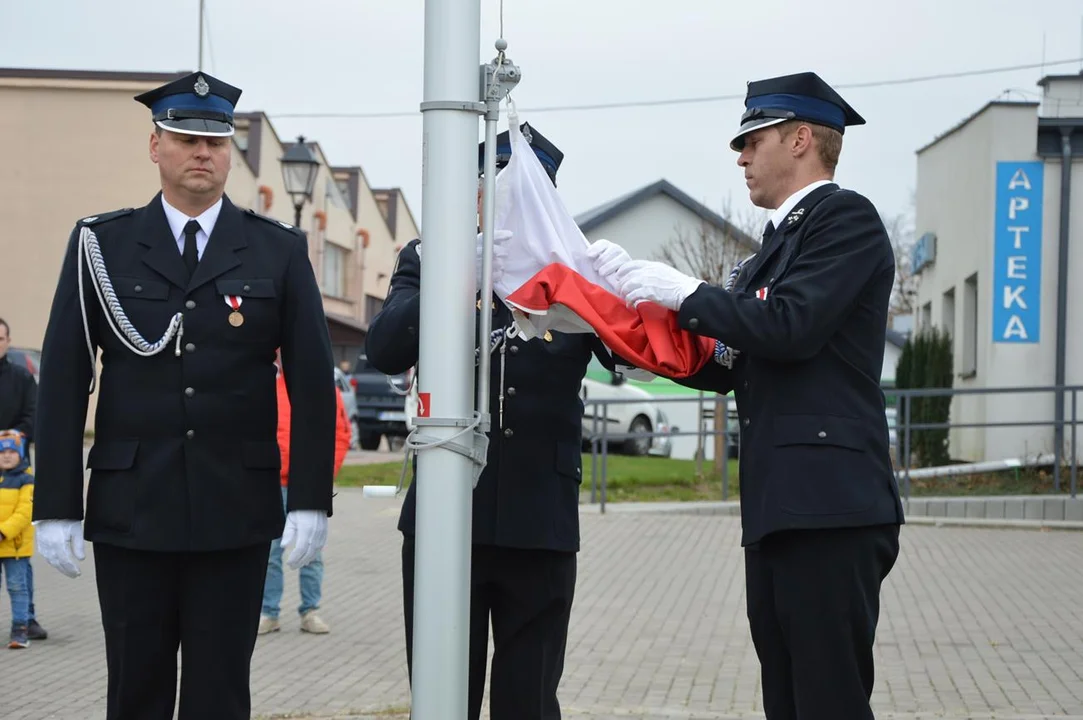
[998,251]
[78,146]
[659,217]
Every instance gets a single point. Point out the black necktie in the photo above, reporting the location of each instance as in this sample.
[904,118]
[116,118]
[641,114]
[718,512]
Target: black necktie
[768,232]
[191,255]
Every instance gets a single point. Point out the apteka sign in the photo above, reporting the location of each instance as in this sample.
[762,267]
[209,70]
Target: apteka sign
[1017,262]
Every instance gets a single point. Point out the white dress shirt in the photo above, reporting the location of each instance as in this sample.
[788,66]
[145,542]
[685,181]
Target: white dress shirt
[177,221]
[791,202]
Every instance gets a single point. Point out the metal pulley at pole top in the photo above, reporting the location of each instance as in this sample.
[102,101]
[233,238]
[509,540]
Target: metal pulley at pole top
[450,434]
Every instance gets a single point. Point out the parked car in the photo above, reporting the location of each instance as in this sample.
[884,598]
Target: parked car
[30,358]
[640,417]
[349,403]
[380,411]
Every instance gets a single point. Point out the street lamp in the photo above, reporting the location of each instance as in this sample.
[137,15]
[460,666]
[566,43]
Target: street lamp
[299,169]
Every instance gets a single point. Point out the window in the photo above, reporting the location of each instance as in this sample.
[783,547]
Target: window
[927,315]
[373,305]
[334,270]
[947,312]
[334,195]
[969,365]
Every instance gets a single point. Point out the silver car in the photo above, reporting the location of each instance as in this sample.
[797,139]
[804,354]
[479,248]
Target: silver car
[349,402]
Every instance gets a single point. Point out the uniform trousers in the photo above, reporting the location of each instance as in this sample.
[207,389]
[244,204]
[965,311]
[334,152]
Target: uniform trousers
[813,604]
[205,603]
[527,594]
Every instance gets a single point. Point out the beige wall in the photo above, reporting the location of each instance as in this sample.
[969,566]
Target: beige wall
[73,150]
[380,255]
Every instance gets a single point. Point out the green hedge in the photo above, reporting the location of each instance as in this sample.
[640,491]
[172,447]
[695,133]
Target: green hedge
[926,361]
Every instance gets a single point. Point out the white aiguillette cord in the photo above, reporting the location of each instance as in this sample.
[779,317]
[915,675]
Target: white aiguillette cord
[114,313]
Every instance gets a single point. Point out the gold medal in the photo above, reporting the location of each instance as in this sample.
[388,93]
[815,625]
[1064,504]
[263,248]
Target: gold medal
[235,317]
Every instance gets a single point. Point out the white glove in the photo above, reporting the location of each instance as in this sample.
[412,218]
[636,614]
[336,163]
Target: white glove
[60,542]
[308,528]
[500,253]
[607,258]
[633,373]
[645,280]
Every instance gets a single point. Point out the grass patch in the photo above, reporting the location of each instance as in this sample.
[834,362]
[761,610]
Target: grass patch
[1020,481]
[377,474]
[637,479]
[654,479]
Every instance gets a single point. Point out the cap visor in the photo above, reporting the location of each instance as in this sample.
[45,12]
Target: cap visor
[197,126]
[738,144]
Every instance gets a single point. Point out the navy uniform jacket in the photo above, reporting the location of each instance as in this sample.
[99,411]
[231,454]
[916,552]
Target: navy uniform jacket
[528,493]
[814,435]
[185,456]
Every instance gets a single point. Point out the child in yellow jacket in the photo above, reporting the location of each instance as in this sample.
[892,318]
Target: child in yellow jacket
[16,532]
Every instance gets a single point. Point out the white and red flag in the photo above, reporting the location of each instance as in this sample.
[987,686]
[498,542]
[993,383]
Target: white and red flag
[550,283]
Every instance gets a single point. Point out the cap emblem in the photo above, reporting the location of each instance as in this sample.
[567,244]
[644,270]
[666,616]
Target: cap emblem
[201,87]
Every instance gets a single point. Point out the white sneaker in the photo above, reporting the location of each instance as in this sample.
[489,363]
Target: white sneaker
[268,624]
[311,623]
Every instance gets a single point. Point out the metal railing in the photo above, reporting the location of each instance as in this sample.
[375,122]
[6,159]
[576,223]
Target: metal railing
[601,437]
[904,405]
[597,410]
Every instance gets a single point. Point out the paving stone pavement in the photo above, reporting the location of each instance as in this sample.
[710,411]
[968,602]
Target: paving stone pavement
[976,623]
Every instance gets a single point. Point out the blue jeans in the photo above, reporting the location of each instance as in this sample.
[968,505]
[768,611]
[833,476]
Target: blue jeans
[15,570]
[311,580]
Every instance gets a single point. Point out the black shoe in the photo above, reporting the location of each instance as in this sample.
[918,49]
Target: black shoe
[34,631]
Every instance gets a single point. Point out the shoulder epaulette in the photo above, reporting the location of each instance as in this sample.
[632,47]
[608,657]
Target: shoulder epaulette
[273,221]
[106,217]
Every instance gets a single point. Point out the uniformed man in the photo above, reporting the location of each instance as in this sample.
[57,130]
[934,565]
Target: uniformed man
[800,339]
[526,503]
[184,496]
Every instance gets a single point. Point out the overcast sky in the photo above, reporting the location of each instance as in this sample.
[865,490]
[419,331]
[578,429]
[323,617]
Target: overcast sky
[350,56]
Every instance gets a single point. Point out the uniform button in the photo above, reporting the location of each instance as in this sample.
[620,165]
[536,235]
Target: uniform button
[189,391]
[247,288]
[508,432]
[693,323]
[190,304]
[745,422]
[139,288]
[746,384]
[821,434]
[514,349]
[511,391]
[189,348]
[190,434]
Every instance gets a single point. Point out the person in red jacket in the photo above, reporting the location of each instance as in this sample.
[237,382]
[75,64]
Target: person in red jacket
[311,575]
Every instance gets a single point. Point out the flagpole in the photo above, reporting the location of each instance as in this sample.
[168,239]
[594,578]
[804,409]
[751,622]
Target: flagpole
[199,64]
[450,112]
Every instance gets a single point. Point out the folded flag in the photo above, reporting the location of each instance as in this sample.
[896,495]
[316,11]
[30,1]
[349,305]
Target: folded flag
[550,283]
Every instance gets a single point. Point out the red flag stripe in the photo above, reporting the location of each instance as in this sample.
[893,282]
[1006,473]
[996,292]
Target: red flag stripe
[648,336]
